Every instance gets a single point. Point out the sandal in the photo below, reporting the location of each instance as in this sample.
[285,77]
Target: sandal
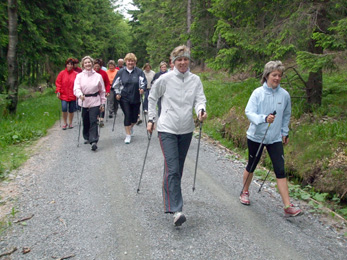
[70,126]
[64,127]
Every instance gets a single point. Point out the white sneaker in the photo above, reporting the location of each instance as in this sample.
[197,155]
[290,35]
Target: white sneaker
[127,139]
[179,219]
[132,131]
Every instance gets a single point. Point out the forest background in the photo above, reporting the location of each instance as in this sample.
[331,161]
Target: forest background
[230,41]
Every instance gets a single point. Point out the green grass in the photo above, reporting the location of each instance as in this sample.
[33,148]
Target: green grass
[34,116]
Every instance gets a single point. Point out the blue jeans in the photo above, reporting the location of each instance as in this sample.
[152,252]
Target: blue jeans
[70,104]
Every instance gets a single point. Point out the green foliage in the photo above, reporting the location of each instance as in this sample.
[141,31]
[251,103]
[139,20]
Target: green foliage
[51,31]
[34,116]
[314,62]
[343,212]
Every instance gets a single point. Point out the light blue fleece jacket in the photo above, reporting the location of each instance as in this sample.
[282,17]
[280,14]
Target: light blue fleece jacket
[264,101]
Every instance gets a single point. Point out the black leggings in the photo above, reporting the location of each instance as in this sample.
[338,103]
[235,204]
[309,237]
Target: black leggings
[131,112]
[276,153]
[90,126]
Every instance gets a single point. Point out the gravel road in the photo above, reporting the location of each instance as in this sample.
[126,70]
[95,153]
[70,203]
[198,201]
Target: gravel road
[85,206]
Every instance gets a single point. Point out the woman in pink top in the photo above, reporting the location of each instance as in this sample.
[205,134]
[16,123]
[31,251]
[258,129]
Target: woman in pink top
[89,88]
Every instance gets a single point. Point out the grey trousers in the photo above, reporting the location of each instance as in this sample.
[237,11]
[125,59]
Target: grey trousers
[112,103]
[175,149]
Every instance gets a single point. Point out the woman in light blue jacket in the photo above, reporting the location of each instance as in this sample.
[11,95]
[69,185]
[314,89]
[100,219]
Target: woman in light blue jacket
[268,111]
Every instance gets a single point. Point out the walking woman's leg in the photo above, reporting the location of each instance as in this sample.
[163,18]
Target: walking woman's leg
[134,108]
[110,103]
[276,154]
[183,147]
[126,107]
[252,163]
[93,120]
[172,195]
[72,109]
[86,123]
[64,112]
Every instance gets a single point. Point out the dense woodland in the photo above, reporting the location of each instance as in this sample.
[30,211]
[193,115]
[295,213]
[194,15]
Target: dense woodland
[234,36]
[237,36]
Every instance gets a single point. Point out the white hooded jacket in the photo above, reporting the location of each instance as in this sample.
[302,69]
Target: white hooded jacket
[179,93]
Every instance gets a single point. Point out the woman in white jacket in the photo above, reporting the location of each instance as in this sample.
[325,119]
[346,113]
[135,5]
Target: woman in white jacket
[180,91]
[268,110]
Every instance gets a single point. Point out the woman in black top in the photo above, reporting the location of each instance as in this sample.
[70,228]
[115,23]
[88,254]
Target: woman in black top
[129,83]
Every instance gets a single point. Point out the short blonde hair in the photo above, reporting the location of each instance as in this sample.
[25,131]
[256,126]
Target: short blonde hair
[180,51]
[85,58]
[270,67]
[162,64]
[130,56]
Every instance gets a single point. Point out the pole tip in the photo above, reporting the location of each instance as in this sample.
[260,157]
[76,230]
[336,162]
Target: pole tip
[138,190]
[193,189]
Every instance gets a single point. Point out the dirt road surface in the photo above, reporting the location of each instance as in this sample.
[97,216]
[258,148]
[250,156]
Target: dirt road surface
[84,205]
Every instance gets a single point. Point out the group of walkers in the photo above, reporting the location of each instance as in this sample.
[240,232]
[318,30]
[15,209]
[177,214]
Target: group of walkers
[176,93]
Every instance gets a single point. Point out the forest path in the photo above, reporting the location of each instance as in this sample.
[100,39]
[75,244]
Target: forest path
[84,204]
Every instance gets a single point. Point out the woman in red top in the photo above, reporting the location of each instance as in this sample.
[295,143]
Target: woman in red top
[98,68]
[64,89]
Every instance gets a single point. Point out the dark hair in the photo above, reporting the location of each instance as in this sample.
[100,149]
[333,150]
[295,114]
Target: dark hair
[69,60]
[98,61]
[147,64]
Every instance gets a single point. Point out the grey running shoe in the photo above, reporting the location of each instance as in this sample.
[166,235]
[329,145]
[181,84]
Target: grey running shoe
[179,219]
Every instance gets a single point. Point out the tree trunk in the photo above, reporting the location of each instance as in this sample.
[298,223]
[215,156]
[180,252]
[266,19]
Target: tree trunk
[314,85]
[12,80]
[314,88]
[189,22]
[315,79]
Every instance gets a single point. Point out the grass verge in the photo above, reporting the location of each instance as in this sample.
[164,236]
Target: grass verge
[34,116]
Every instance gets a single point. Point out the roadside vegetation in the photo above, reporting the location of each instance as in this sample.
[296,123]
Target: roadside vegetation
[36,112]
[316,156]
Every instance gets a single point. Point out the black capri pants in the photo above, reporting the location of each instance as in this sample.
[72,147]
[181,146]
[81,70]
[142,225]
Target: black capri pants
[131,111]
[276,153]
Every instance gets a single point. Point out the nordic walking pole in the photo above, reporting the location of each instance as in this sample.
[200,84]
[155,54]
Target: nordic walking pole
[256,155]
[143,113]
[79,126]
[263,181]
[197,154]
[144,161]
